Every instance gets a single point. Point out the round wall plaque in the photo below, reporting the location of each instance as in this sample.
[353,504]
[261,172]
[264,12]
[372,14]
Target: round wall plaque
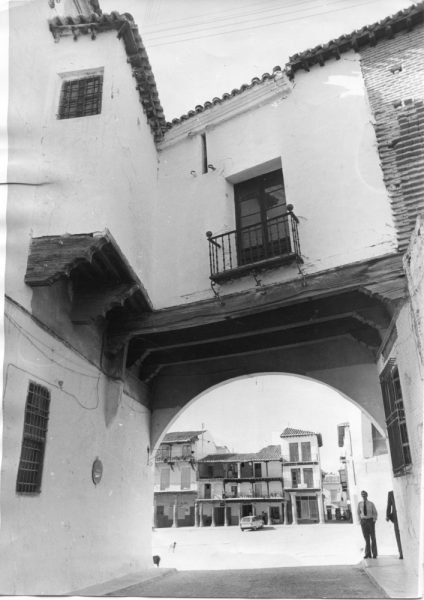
[97,471]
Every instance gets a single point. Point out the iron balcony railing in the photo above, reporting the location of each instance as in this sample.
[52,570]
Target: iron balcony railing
[166,457]
[311,458]
[260,244]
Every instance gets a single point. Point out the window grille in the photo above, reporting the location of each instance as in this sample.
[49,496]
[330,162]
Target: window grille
[81,97]
[34,440]
[395,419]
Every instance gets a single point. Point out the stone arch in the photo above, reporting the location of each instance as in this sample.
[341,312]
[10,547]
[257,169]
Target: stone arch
[163,418]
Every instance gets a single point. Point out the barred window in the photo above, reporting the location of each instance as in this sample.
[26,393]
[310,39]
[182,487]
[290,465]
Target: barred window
[34,440]
[81,97]
[395,419]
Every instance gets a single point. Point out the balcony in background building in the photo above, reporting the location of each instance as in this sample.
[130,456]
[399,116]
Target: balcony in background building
[168,458]
[293,460]
[256,247]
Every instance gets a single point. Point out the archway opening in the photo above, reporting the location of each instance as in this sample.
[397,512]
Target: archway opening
[287,450]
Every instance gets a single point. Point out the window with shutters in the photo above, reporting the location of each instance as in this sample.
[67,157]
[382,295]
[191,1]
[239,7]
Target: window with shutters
[185,478]
[36,418]
[294,452]
[395,419]
[165,478]
[295,475]
[308,477]
[306,451]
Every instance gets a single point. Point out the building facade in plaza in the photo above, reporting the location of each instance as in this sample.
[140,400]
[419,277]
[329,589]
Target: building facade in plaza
[276,229]
[176,475]
[302,474]
[232,486]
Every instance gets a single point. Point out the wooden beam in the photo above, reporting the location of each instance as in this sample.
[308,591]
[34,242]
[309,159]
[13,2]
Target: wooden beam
[385,273]
[275,339]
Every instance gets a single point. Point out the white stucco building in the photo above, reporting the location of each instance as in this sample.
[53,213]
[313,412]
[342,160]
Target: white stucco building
[176,476]
[275,229]
[302,474]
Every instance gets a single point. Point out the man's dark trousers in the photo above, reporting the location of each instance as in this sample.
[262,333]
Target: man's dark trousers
[368,531]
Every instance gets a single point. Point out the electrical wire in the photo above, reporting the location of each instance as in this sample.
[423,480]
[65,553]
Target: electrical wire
[26,335]
[234,10]
[236,17]
[316,14]
[49,383]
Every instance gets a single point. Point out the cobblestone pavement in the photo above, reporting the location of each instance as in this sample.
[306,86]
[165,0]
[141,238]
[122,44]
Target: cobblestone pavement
[288,582]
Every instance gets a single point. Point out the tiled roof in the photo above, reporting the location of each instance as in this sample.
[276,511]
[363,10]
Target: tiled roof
[290,432]
[181,436]
[369,35]
[267,453]
[137,56]
[86,257]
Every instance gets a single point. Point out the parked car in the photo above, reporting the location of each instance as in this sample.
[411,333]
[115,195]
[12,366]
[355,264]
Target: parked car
[251,523]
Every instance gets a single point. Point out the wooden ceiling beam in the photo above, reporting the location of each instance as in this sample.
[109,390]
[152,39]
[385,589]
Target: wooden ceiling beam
[385,273]
[275,339]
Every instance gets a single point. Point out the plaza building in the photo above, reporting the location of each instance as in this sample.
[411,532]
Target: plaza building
[176,476]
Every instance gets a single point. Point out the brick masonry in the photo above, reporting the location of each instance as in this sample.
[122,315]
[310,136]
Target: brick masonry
[393,71]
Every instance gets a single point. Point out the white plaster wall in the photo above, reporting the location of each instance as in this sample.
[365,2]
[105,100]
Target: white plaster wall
[82,174]
[217,489]
[274,469]
[204,445]
[408,488]
[175,477]
[322,133]
[312,439]
[73,534]
[275,487]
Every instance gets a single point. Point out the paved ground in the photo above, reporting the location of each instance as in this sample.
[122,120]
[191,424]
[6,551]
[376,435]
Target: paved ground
[290,582]
[308,561]
[271,547]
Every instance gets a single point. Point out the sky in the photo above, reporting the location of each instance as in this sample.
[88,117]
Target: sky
[200,49]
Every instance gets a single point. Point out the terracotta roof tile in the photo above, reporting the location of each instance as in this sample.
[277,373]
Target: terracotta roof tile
[137,56]
[290,432]
[181,436]
[268,453]
[367,35]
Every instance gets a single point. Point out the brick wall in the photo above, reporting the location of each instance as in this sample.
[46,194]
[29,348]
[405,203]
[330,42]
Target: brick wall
[393,71]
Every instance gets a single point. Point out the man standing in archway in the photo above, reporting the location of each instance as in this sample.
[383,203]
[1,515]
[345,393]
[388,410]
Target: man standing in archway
[367,514]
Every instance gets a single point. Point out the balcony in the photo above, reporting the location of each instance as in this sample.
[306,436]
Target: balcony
[253,248]
[244,496]
[304,460]
[167,458]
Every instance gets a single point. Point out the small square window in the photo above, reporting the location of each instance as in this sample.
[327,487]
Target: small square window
[81,97]
[34,440]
